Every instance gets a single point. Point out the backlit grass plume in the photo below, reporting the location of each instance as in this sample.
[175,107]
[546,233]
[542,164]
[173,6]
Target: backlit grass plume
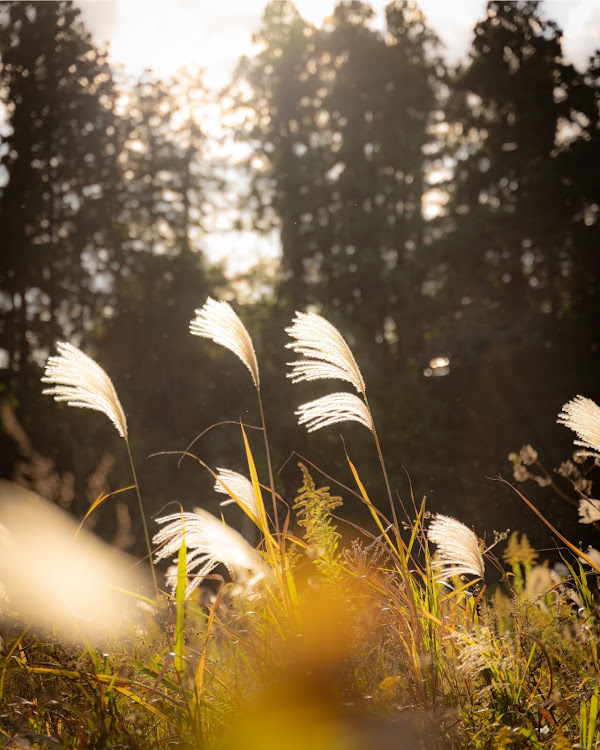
[326,351]
[238,487]
[327,355]
[337,407]
[79,381]
[209,542]
[582,415]
[457,549]
[219,322]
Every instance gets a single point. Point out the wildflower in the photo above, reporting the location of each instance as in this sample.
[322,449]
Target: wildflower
[328,355]
[582,415]
[209,542]
[238,487]
[457,548]
[337,407]
[589,510]
[218,321]
[79,381]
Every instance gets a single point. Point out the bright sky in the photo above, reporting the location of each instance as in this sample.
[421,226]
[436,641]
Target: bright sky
[167,34]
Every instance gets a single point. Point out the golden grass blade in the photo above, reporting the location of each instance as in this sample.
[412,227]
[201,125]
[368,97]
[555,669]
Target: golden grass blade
[554,530]
[374,512]
[180,601]
[240,491]
[209,542]
[98,501]
[199,681]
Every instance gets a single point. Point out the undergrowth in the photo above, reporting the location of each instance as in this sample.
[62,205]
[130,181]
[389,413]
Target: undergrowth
[302,643]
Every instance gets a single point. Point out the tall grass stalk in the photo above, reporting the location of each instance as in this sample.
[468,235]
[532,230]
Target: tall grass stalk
[143,516]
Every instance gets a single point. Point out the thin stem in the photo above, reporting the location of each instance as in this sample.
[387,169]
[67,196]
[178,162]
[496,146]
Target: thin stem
[268,452]
[146,534]
[383,469]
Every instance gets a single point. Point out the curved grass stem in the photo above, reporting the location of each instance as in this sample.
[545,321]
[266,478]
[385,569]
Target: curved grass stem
[270,468]
[383,469]
[141,506]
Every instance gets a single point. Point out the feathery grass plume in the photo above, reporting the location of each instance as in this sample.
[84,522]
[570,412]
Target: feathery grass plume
[328,355]
[589,510]
[209,542]
[582,415]
[218,321]
[79,381]
[457,548]
[238,485]
[337,407]
[480,650]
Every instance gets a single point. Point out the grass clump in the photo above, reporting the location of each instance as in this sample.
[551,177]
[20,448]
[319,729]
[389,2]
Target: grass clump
[393,641]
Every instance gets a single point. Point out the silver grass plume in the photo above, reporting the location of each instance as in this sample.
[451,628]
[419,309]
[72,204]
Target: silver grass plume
[582,415]
[480,649]
[79,381]
[337,407]
[238,485]
[219,322]
[209,542]
[457,549]
[326,351]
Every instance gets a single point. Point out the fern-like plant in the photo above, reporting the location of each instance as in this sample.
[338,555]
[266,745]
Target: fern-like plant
[313,507]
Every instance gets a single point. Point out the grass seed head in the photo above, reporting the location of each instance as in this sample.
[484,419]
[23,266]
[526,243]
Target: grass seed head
[209,542]
[325,349]
[238,485]
[79,381]
[337,407]
[457,549]
[582,415]
[219,322]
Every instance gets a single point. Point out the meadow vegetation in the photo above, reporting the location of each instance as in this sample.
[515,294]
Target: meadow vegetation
[390,640]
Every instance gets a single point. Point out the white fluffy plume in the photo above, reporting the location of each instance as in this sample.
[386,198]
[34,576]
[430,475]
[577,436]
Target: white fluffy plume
[325,349]
[79,381]
[337,407]
[238,487]
[209,542]
[582,415]
[457,549]
[219,322]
